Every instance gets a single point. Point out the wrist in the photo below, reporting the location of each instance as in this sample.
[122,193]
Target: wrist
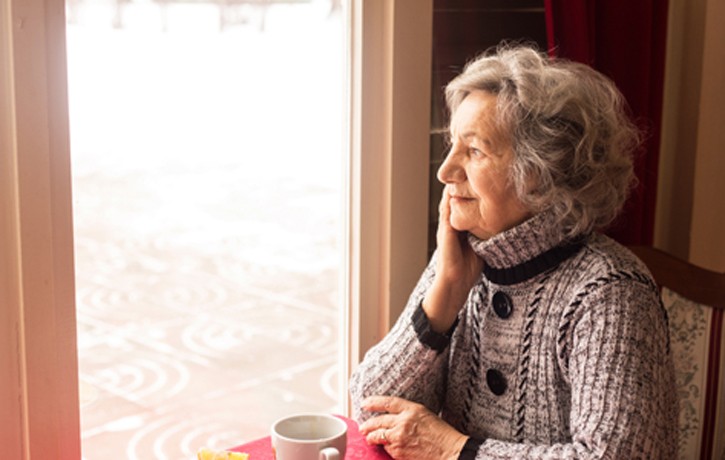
[434,340]
[441,306]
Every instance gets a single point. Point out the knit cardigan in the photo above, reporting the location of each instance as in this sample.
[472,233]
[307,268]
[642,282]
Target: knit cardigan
[561,351]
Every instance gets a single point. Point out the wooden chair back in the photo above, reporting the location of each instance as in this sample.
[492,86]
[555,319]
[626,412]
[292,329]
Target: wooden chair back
[695,283]
[695,301]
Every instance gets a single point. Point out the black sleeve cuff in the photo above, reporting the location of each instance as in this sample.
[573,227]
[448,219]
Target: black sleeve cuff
[470,449]
[427,336]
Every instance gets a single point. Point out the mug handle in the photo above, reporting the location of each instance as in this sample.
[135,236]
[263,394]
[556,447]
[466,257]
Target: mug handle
[329,453]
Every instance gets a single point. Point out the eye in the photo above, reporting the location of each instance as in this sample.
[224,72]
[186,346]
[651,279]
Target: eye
[474,152]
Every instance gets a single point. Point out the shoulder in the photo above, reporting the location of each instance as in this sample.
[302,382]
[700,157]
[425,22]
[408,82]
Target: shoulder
[610,293]
[604,261]
[606,281]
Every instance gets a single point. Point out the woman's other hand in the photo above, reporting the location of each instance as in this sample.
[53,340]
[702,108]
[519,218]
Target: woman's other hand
[457,269]
[409,431]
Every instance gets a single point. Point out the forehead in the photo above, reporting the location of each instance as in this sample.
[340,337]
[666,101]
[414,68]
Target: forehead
[477,114]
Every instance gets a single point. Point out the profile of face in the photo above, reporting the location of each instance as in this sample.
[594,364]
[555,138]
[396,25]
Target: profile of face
[483,200]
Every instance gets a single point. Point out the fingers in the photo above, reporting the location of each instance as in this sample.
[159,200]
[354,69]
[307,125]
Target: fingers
[444,211]
[395,415]
[374,424]
[388,404]
[381,437]
[379,429]
[408,430]
[444,207]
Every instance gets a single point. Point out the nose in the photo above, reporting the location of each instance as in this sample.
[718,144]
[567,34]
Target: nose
[451,171]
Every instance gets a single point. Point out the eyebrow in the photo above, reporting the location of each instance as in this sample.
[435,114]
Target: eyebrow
[472,134]
[467,135]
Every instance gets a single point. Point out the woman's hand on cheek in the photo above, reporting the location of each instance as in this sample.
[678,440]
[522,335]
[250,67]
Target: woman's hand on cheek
[456,259]
[409,431]
[457,270]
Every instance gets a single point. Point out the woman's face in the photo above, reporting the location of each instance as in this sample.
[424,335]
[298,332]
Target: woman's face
[483,200]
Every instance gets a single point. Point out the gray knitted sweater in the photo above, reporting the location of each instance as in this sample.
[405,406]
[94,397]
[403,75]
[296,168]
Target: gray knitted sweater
[561,351]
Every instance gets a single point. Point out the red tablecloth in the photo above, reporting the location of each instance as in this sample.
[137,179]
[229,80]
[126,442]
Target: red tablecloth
[357,448]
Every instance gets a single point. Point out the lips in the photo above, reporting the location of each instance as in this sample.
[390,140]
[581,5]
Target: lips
[457,197]
[460,201]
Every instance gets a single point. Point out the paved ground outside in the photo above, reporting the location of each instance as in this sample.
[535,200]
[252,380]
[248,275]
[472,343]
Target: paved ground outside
[207,176]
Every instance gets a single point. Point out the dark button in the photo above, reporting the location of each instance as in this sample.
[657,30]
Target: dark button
[496,382]
[502,305]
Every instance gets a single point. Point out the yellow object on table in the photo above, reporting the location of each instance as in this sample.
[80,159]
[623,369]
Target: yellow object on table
[208,454]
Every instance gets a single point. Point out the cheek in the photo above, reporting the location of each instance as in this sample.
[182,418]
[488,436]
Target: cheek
[490,194]
[494,200]
[501,209]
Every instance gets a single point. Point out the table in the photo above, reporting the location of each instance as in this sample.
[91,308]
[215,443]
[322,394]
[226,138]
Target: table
[357,447]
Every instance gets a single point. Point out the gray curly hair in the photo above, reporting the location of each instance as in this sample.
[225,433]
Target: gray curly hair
[569,129]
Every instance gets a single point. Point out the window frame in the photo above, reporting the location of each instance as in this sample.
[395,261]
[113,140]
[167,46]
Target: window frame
[387,224]
[39,414]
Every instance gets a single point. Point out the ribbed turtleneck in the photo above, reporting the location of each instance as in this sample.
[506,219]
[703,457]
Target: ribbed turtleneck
[523,251]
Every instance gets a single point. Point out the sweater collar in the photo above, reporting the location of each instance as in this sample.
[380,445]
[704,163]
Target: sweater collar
[524,251]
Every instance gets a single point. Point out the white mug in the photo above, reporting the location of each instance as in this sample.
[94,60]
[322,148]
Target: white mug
[309,437]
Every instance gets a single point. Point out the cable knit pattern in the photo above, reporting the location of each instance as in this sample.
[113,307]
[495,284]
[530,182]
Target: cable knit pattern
[576,365]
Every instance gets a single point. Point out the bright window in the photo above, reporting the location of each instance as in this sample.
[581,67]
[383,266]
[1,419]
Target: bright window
[208,156]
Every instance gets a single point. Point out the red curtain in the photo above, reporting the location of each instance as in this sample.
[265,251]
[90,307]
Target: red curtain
[625,40]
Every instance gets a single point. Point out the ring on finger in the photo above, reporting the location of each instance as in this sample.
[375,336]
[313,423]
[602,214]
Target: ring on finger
[383,439]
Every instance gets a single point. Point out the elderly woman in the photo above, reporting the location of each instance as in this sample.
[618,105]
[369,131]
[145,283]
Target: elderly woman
[529,335]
